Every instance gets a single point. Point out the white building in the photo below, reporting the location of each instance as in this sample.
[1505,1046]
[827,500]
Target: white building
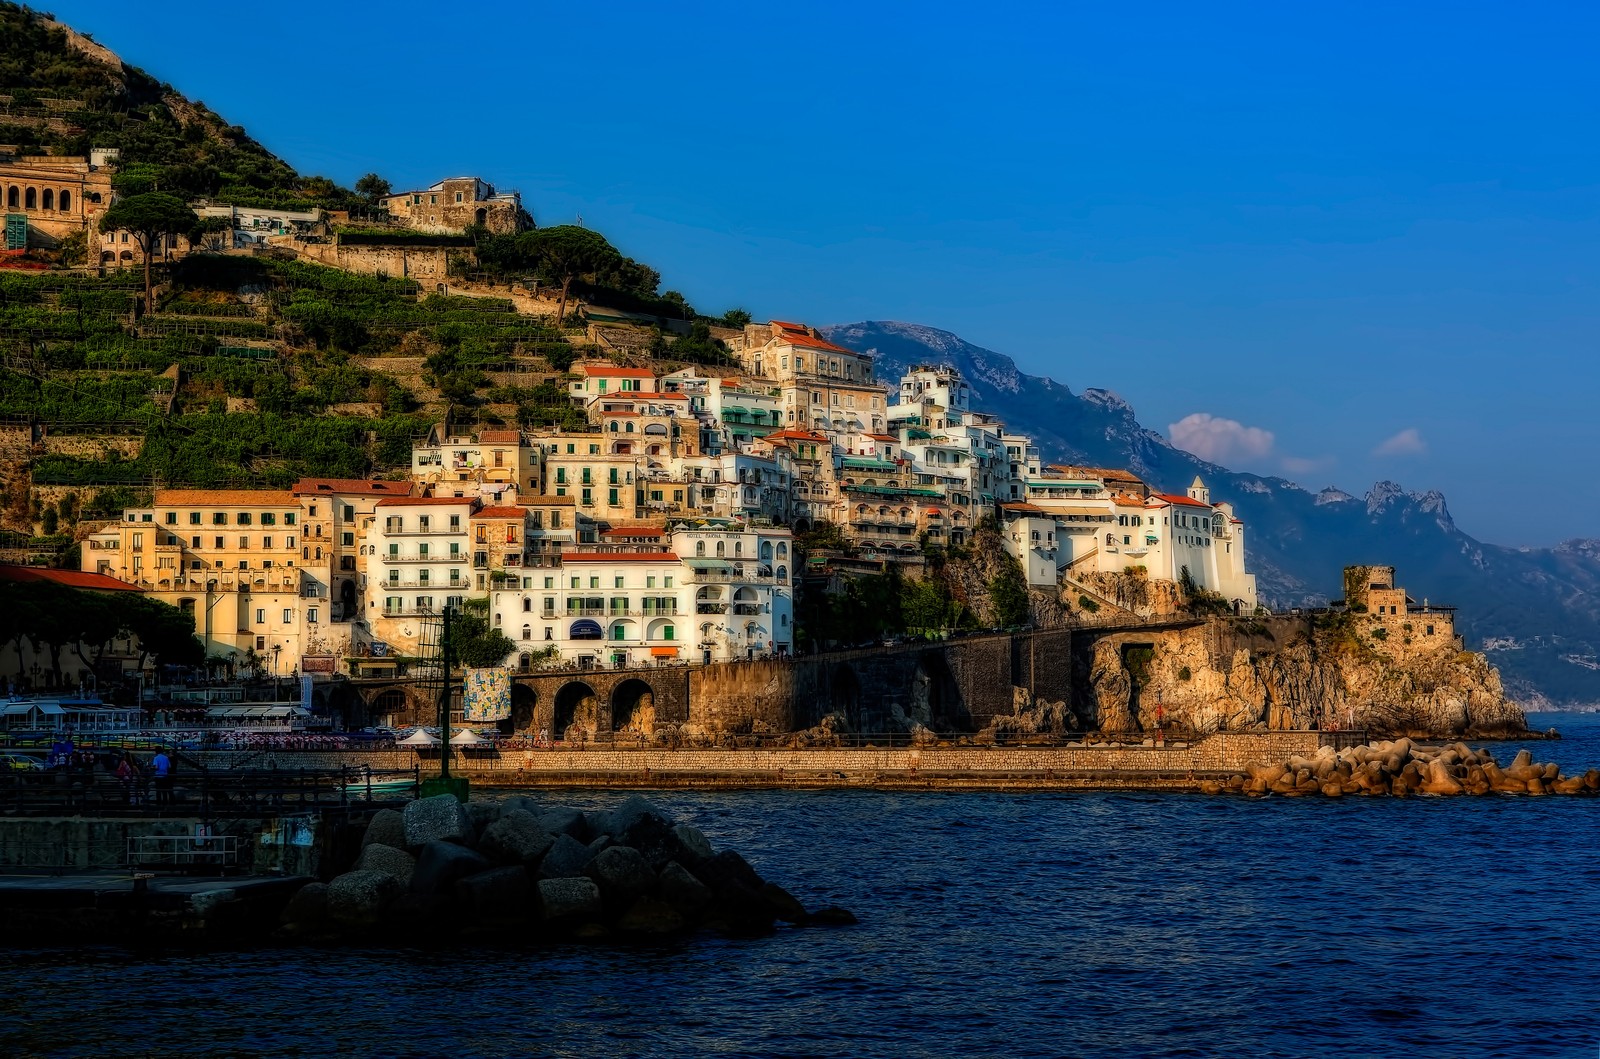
[418,561]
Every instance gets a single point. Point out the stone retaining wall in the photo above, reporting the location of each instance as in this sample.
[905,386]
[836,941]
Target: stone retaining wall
[965,766]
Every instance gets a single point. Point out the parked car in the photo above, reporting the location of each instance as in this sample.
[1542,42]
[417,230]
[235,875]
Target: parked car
[10,761]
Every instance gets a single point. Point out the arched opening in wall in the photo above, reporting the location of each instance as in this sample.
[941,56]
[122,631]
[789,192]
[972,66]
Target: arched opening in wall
[1136,659]
[107,257]
[66,201]
[633,708]
[802,525]
[481,216]
[186,606]
[49,199]
[389,708]
[523,701]
[347,601]
[11,197]
[575,712]
[30,199]
[844,696]
[936,697]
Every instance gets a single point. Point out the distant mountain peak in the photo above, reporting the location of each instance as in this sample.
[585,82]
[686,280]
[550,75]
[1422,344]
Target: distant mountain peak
[1330,495]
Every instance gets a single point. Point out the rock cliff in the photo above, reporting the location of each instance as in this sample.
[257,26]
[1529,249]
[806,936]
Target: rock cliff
[1291,672]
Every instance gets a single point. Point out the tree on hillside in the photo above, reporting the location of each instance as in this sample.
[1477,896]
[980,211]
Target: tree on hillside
[373,188]
[149,217]
[565,252]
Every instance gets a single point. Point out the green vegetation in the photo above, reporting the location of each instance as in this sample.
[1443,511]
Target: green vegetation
[55,618]
[1009,592]
[150,217]
[69,101]
[474,644]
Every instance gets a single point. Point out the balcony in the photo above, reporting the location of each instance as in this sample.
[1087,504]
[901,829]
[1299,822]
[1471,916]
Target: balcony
[422,584]
[710,607]
[443,559]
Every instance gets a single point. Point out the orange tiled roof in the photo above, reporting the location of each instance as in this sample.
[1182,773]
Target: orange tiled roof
[1173,498]
[611,371]
[500,512]
[224,498]
[425,501]
[66,578]
[313,486]
[500,437]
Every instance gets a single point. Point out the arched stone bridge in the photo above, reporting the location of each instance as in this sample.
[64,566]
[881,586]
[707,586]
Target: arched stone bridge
[955,685]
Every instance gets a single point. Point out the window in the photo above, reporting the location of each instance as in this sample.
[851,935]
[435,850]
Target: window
[649,582]
[594,582]
[348,540]
[288,518]
[527,632]
[668,632]
[311,615]
[261,615]
[194,518]
[172,518]
[219,518]
[455,522]
[668,582]
[216,542]
[288,615]
[549,582]
[616,582]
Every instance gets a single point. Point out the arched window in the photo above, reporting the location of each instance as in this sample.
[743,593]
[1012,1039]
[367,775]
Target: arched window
[700,548]
[766,550]
[49,202]
[30,199]
[527,632]
[722,549]
[783,573]
[66,201]
[629,428]
[783,550]
[527,604]
[497,619]
[738,548]
[613,426]
[12,198]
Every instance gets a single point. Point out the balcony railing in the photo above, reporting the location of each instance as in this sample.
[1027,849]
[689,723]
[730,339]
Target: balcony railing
[458,558]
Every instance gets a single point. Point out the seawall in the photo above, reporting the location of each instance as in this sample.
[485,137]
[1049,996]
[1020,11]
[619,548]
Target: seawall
[1176,766]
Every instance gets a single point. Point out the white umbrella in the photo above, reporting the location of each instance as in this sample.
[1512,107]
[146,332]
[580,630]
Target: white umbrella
[466,737]
[419,738]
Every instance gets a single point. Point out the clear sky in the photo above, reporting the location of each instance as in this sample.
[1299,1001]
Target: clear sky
[1337,243]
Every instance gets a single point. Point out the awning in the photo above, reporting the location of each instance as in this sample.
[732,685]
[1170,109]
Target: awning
[585,629]
[709,564]
[733,409]
[663,652]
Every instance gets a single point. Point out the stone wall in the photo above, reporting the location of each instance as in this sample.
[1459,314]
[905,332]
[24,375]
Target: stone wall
[1217,754]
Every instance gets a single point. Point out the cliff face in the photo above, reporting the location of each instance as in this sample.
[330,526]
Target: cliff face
[1289,673]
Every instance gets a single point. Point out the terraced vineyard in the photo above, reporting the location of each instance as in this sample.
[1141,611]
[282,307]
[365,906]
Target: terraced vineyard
[251,372]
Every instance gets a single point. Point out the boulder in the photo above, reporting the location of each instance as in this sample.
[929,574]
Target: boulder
[499,893]
[1591,779]
[516,838]
[359,898]
[482,814]
[309,905]
[566,900]
[566,858]
[437,819]
[396,862]
[1570,785]
[523,802]
[566,822]
[784,905]
[634,809]
[1439,781]
[677,886]
[622,874]
[832,916]
[387,828]
[726,867]
[441,865]
[693,842]
[649,915]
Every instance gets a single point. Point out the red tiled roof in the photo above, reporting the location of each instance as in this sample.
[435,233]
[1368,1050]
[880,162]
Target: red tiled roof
[66,578]
[424,501]
[312,486]
[620,557]
[611,371]
[500,437]
[795,435]
[1124,500]
[500,512]
[223,498]
[1184,501]
[808,342]
[1023,508]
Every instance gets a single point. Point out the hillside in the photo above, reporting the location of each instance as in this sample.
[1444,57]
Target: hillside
[1535,611]
[61,92]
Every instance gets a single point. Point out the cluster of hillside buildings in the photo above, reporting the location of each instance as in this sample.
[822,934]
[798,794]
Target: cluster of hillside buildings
[663,533]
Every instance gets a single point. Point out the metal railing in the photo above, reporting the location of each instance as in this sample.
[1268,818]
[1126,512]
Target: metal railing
[207,793]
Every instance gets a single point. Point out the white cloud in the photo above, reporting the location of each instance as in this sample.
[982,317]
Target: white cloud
[1406,443]
[1219,440]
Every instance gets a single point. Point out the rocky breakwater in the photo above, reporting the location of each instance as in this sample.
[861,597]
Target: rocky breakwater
[1401,768]
[517,870]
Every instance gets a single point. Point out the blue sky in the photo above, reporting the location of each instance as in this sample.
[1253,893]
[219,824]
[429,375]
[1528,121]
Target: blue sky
[1336,244]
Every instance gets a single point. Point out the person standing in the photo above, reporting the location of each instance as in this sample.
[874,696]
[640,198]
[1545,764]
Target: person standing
[161,767]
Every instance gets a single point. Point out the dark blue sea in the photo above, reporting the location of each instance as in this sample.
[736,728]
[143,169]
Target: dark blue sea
[991,925]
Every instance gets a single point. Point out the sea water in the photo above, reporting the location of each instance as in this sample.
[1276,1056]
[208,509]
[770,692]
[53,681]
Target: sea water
[1031,924]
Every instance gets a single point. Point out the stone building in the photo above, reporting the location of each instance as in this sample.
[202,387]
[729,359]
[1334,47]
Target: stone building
[1371,591]
[55,196]
[456,203]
